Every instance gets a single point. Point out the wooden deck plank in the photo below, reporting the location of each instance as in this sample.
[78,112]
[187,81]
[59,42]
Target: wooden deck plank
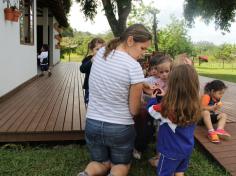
[29,108]
[41,102]
[15,112]
[69,109]
[62,112]
[76,112]
[41,118]
[36,111]
[49,123]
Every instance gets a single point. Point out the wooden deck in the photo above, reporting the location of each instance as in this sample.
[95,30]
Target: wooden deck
[52,109]
[48,109]
[225,152]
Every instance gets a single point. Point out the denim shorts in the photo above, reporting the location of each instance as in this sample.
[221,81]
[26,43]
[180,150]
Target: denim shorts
[109,142]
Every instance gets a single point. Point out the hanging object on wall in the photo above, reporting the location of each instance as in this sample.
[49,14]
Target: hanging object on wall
[58,46]
[57,27]
[58,37]
[12,14]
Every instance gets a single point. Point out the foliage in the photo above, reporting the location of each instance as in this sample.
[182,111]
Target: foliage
[226,53]
[223,12]
[142,13]
[68,45]
[174,40]
[112,8]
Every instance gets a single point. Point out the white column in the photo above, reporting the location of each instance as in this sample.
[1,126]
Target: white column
[45,25]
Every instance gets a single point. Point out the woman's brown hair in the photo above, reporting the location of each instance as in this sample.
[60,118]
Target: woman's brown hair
[137,31]
[181,102]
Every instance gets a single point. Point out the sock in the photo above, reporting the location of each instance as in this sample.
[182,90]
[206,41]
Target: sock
[211,130]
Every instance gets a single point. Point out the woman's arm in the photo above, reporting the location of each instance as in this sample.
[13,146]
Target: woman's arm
[135,94]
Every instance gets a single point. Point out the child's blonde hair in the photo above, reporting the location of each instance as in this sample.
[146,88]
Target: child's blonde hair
[181,102]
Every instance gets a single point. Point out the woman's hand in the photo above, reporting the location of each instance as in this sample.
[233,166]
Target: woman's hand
[149,88]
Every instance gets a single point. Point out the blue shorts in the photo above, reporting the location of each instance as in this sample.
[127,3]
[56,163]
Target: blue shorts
[109,142]
[169,166]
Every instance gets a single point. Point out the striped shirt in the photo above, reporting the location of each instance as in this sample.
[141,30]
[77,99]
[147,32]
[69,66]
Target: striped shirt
[109,84]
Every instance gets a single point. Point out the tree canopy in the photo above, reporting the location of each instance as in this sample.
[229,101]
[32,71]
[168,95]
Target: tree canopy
[221,11]
[174,40]
[112,8]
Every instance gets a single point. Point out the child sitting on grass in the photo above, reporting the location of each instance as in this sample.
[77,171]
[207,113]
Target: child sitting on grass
[210,103]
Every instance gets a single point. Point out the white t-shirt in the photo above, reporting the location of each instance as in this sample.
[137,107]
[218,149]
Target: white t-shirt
[43,55]
[109,84]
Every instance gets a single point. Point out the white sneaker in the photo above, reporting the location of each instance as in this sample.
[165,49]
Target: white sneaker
[137,154]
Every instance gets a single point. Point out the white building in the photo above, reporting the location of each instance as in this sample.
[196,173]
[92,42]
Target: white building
[21,41]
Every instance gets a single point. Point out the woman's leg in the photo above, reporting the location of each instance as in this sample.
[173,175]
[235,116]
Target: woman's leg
[179,174]
[120,169]
[97,169]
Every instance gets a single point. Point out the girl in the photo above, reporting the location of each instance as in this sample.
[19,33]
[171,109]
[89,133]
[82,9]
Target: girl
[178,112]
[43,60]
[144,124]
[93,46]
[211,102]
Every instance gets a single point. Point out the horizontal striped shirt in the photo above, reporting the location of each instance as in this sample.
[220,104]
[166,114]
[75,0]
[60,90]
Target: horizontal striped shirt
[109,84]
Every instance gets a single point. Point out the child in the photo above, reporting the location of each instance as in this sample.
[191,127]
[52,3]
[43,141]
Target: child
[93,46]
[178,112]
[211,102]
[43,60]
[144,124]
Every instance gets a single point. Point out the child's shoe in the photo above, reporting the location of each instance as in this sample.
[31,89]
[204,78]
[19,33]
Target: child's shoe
[213,137]
[83,174]
[154,161]
[223,134]
[137,154]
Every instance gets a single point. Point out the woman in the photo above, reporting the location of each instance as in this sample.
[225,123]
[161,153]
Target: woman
[116,84]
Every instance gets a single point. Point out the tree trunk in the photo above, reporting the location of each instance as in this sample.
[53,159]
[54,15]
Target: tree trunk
[155,31]
[124,7]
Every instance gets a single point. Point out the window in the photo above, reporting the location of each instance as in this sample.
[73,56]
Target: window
[27,22]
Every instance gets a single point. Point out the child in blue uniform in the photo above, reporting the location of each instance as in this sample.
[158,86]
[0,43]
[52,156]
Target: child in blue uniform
[178,112]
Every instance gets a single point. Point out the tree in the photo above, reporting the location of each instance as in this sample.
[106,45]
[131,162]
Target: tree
[174,40]
[222,11]
[145,14]
[226,53]
[68,45]
[121,8]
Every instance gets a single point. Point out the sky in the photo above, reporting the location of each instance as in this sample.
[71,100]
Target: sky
[200,31]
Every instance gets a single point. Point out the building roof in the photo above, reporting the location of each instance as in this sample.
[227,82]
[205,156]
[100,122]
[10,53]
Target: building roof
[59,8]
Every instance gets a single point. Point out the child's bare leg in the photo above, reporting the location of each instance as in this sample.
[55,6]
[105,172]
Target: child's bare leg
[222,121]
[207,120]
[179,174]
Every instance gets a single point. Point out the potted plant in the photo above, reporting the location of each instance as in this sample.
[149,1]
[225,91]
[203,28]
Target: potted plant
[16,13]
[12,13]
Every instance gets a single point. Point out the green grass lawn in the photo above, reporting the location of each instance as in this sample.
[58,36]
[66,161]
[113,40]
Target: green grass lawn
[73,58]
[68,160]
[216,71]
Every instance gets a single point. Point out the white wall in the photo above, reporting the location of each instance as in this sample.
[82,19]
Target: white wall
[56,52]
[18,62]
